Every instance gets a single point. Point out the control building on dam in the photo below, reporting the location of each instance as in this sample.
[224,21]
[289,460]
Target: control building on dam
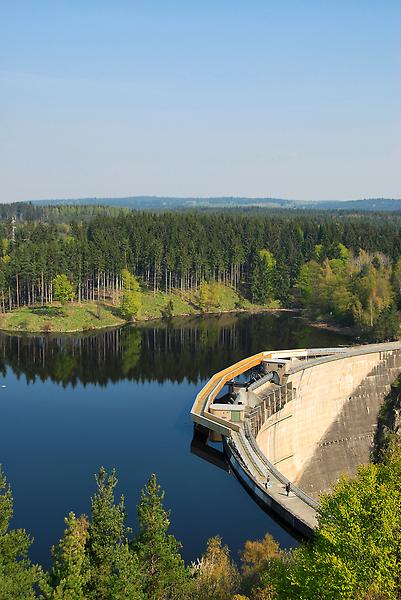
[298,417]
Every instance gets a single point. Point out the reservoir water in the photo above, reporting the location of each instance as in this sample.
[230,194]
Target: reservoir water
[121,398]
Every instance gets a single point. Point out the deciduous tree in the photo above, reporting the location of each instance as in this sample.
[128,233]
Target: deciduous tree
[215,574]
[63,290]
[357,545]
[131,300]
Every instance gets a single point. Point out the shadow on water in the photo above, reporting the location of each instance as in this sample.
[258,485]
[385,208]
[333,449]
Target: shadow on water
[121,398]
[201,447]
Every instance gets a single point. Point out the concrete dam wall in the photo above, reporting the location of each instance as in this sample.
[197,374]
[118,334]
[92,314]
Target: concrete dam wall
[301,419]
[327,426]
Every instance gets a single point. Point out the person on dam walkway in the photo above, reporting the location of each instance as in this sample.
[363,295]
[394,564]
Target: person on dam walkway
[288,488]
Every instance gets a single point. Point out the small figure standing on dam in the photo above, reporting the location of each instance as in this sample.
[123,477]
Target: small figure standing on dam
[288,488]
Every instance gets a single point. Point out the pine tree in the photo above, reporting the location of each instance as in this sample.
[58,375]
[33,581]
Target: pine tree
[262,278]
[114,567]
[164,573]
[18,577]
[70,573]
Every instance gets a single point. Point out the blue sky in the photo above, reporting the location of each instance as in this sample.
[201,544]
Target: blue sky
[294,99]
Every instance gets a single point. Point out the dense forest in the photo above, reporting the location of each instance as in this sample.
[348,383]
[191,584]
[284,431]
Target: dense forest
[343,266]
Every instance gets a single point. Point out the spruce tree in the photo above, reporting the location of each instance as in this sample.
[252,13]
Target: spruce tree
[70,573]
[18,577]
[263,276]
[164,572]
[114,567]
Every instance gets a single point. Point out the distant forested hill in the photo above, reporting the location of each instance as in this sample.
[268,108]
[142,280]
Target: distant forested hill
[175,203]
[85,209]
[166,202]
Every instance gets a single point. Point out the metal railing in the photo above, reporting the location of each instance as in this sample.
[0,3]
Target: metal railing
[277,474]
[270,404]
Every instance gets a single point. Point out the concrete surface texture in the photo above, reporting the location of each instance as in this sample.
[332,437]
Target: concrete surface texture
[328,428]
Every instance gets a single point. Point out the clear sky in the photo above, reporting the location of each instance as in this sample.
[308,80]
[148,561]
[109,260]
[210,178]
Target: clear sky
[294,99]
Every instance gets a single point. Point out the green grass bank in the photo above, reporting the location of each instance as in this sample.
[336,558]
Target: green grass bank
[87,316]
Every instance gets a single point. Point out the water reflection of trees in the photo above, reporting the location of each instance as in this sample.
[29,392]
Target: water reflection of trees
[191,349]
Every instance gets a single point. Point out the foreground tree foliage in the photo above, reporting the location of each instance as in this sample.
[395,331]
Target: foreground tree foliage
[259,557]
[18,577]
[355,554]
[114,570]
[356,549]
[93,559]
[164,574]
[70,573]
[215,574]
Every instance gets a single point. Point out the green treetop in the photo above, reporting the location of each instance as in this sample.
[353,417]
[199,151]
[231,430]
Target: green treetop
[210,295]
[131,300]
[163,570]
[263,276]
[357,545]
[114,568]
[63,290]
[70,573]
[18,577]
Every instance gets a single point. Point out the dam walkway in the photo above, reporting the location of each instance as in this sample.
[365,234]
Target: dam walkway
[274,433]
[294,509]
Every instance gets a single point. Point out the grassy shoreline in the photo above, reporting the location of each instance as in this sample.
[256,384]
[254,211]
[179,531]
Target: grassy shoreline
[90,316]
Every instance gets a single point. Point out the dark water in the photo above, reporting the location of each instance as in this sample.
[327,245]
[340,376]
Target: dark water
[121,398]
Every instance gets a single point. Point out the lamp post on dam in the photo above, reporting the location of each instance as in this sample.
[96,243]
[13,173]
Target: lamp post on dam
[292,421]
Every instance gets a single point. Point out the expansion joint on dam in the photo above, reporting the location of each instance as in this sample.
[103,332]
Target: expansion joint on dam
[292,421]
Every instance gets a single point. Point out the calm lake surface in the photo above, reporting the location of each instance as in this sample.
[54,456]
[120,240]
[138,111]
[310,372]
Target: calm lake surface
[121,398]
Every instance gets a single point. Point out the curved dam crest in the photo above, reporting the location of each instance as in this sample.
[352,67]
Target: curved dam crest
[326,430]
[317,422]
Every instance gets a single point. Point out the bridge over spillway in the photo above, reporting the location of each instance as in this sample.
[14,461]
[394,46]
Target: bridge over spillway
[302,417]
